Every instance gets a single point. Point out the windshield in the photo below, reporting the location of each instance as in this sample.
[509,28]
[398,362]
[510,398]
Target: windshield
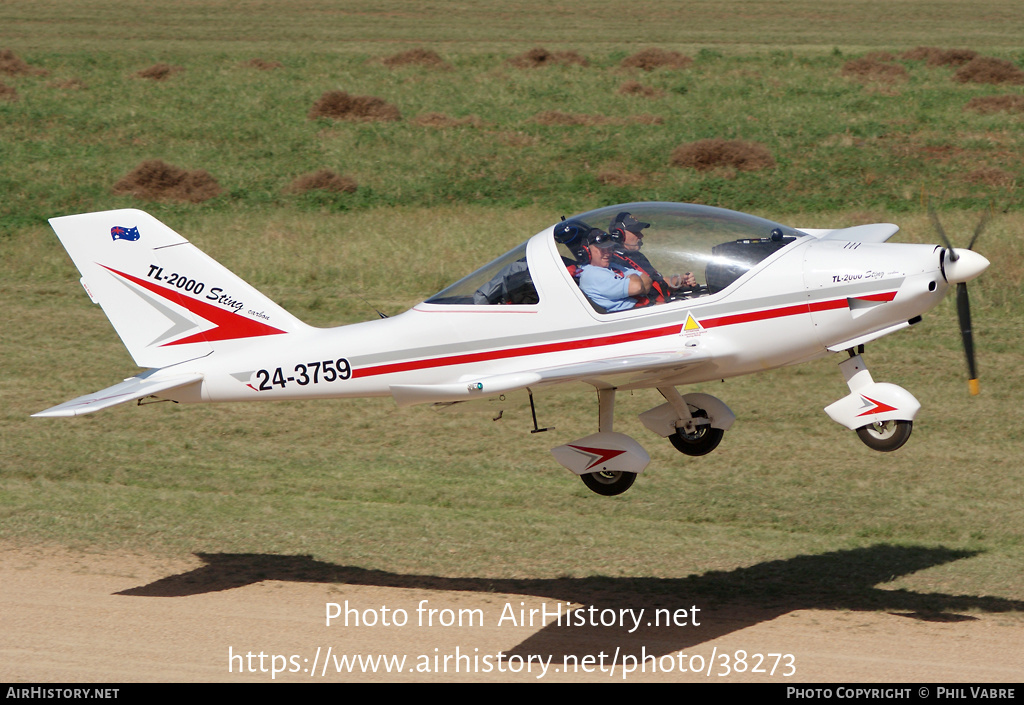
[687,250]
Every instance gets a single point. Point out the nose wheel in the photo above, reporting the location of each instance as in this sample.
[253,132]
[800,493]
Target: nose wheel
[882,414]
[608,483]
[886,436]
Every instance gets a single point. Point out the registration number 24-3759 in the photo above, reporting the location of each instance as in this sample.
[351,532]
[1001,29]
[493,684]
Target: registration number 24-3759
[303,374]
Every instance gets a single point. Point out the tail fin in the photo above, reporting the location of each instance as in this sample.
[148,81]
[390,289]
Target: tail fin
[167,300]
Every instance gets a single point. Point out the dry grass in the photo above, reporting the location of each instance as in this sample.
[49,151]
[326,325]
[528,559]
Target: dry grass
[622,179]
[650,59]
[870,70]
[535,58]
[154,180]
[68,84]
[635,88]
[322,180]
[262,64]
[935,56]
[416,57]
[441,121]
[556,117]
[991,176]
[12,65]
[159,72]
[339,105]
[705,155]
[987,69]
[996,104]
[8,92]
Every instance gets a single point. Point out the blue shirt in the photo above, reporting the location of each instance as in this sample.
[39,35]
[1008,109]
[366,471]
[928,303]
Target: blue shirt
[608,287]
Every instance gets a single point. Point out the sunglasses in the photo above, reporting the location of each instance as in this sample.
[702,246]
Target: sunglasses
[604,240]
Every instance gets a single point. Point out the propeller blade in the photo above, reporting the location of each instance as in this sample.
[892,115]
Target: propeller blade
[981,226]
[941,231]
[963,309]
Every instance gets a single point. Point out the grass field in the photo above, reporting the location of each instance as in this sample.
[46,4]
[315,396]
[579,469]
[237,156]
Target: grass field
[361,483]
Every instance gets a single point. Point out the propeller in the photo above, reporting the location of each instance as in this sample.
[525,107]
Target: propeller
[961,266]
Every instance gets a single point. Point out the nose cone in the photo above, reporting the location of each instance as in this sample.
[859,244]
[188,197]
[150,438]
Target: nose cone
[967,265]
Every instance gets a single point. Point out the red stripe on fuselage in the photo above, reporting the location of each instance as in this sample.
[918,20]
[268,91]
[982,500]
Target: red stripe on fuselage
[675,329]
[515,352]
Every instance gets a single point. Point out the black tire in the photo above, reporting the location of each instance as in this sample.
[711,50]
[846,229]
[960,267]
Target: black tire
[701,442]
[609,483]
[886,436]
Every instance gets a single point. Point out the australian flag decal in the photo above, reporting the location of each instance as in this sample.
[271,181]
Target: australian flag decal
[119,233]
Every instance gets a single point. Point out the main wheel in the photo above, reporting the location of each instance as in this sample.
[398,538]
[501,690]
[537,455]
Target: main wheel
[701,442]
[886,436]
[609,483]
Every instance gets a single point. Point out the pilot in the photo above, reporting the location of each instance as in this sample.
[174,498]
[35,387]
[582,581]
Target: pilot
[629,231]
[608,284]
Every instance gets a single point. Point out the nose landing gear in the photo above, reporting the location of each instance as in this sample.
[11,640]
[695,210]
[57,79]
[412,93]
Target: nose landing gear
[882,414]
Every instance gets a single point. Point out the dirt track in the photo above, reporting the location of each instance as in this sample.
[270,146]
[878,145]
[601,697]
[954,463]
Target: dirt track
[78,618]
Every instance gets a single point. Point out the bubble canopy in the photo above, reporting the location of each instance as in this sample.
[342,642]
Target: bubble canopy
[716,245]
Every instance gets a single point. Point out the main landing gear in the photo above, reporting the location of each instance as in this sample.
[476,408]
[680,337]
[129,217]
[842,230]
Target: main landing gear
[882,414]
[608,462]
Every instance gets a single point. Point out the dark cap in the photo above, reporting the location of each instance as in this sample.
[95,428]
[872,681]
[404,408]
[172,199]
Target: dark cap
[626,221]
[600,238]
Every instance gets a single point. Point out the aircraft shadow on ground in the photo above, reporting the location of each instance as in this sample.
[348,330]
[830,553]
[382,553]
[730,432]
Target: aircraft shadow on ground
[728,600]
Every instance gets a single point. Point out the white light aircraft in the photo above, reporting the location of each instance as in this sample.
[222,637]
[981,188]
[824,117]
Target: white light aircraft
[763,296]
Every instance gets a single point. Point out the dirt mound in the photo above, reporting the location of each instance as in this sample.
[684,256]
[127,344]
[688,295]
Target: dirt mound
[704,155]
[991,176]
[996,104]
[987,69]
[262,64]
[416,57]
[650,59]
[440,121]
[159,72]
[155,180]
[7,92]
[638,89]
[935,56]
[542,57]
[556,117]
[322,180]
[870,70]
[12,65]
[339,105]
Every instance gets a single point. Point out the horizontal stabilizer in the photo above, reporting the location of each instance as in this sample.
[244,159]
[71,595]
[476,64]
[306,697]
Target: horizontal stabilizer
[129,390]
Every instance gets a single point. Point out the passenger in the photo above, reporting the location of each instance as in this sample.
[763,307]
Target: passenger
[630,232]
[608,284]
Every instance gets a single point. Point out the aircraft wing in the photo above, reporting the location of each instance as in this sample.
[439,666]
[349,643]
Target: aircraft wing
[129,390]
[634,371]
